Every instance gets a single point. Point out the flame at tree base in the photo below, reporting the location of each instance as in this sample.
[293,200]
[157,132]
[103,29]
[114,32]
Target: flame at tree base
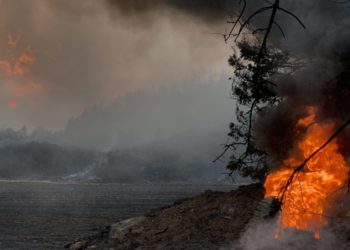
[307,197]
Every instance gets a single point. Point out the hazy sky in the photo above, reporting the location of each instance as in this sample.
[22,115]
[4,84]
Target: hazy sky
[59,57]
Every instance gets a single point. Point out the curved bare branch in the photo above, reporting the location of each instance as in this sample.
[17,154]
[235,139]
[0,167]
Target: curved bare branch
[279,28]
[293,15]
[259,11]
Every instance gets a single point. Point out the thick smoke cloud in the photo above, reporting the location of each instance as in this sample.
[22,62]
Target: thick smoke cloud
[93,52]
[150,116]
[140,85]
[149,136]
[324,80]
[207,10]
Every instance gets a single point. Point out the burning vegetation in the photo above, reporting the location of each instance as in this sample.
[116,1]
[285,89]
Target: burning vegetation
[289,133]
[306,194]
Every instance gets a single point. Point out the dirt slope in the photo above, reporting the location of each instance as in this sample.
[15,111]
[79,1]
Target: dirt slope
[208,221]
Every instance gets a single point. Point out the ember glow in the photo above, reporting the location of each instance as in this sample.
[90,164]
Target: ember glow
[308,196]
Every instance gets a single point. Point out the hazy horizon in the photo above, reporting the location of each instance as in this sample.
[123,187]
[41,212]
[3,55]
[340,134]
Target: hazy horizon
[61,57]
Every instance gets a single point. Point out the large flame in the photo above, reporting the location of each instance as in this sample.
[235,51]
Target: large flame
[307,197]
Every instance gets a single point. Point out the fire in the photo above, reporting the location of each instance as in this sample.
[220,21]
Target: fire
[18,66]
[308,196]
[308,120]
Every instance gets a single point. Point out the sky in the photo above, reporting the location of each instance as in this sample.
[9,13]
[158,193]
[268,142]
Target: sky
[59,58]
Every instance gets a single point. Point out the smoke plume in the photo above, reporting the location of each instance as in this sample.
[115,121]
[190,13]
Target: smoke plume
[324,81]
[322,84]
[86,53]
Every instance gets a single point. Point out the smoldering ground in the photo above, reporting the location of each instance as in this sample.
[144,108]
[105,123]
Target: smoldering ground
[260,233]
[261,237]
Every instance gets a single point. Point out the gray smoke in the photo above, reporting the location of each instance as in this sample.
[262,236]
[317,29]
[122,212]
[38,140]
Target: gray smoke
[93,52]
[166,135]
[260,233]
[207,10]
[324,80]
[140,86]
[149,116]
[261,237]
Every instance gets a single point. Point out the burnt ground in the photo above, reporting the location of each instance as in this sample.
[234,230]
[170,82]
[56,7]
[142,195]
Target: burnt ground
[208,221]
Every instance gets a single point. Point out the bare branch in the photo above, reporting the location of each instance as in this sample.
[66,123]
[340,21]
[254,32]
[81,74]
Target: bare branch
[262,50]
[293,15]
[250,123]
[280,28]
[237,20]
[226,148]
[259,11]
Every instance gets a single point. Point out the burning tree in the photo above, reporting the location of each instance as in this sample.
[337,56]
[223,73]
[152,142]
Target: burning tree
[313,167]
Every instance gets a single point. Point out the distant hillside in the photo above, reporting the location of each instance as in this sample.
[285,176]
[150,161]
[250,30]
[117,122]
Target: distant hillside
[171,134]
[28,160]
[43,161]
[151,116]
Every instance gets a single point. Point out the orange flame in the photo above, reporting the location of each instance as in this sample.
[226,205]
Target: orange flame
[18,66]
[15,69]
[308,195]
[308,120]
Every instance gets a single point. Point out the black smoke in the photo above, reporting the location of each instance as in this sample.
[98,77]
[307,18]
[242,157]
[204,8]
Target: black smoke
[323,81]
